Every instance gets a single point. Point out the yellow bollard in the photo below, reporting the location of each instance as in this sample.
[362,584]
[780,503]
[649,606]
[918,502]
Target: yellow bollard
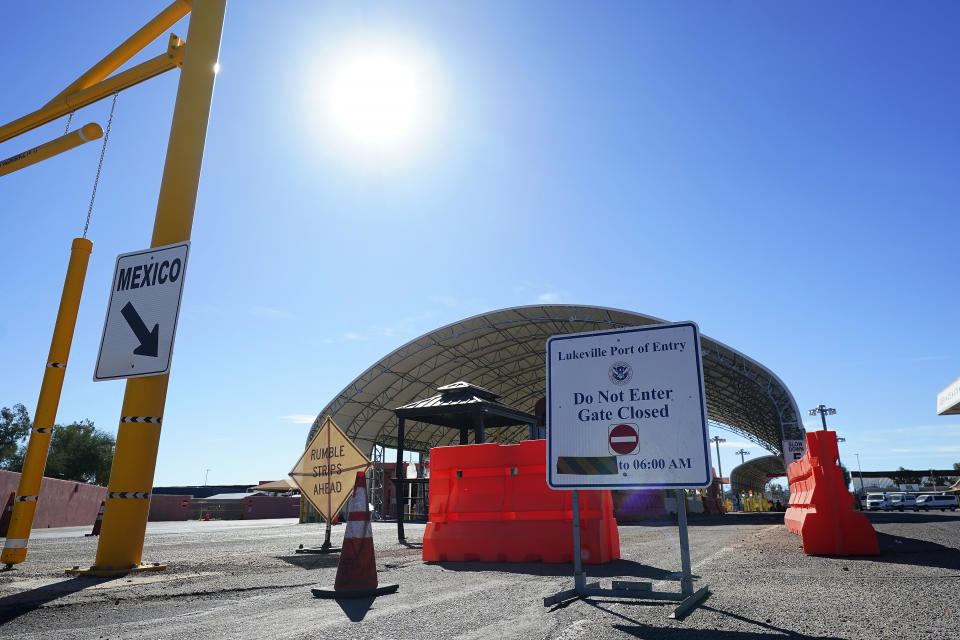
[86,133]
[120,549]
[15,548]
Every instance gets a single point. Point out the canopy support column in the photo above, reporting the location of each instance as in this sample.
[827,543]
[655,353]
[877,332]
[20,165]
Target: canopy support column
[478,428]
[398,501]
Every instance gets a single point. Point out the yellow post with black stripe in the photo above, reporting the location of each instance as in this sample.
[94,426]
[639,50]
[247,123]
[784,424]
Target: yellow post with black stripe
[15,547]
[120,548]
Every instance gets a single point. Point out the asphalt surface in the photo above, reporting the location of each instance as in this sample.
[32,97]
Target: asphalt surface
[242,579]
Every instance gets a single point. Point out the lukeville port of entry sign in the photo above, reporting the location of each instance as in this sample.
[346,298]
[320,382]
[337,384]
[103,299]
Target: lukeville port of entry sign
[142,314]
[327,470]
[626,409]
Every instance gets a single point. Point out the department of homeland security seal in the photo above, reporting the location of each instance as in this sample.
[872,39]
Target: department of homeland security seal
[620,373]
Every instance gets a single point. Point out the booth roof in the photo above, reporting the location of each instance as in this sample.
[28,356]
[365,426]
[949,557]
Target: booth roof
[504,351]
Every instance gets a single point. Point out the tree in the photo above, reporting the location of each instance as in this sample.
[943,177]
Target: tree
[956,466]
[81,452]
[78,451]
[778,492]
[908,476]
[14,427]
[846,475]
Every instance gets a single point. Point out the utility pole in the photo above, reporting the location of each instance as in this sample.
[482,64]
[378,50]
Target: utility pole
[823,410]
[717,440]
[741,453]
[860,469]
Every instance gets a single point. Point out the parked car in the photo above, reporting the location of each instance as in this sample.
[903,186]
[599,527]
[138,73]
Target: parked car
[901,501]
[942,501]
[878,502]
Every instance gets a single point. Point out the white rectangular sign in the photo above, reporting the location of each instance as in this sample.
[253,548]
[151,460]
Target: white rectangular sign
[142,315]
[626,409]
[948,400]
[793,450]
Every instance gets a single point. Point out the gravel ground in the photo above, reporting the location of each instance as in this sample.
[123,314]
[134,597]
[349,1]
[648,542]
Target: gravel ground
[238,579]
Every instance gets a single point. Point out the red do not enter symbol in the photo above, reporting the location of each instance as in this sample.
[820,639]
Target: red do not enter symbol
[624,439]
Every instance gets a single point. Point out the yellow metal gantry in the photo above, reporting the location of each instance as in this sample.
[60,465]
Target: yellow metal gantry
[125,519]
[120,546]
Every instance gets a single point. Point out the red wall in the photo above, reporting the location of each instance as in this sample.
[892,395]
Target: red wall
[63,503]
[259,507]
[164,507]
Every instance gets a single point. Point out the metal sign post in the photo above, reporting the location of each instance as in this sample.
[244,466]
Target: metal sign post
[325,474]
[627,410]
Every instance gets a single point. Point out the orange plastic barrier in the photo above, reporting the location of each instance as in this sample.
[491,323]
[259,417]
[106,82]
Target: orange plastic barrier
[490,502]
[821,509]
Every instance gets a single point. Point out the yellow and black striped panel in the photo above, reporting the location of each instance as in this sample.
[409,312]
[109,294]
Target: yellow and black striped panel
[584,466]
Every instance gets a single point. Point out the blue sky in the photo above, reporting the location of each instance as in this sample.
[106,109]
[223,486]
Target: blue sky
[784,176]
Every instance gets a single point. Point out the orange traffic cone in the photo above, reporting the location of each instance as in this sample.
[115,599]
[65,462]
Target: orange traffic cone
[357,571]
[98,521]
[6,515]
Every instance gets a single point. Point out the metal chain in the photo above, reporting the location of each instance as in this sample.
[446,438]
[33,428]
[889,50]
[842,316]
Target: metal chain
[69,118]
[103,150]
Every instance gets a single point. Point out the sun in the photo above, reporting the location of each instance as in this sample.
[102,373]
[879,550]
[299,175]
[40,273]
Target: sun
[379,97]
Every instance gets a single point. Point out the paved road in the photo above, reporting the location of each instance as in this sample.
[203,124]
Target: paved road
[243,580]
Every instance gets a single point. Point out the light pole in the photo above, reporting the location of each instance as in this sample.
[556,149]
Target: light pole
[860,469]
[840,464]
[741,453]
[823,410]
[206,477]
[717,440]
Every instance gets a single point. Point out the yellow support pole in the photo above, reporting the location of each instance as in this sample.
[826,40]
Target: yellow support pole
[15,547]
[127,49]
[86,133]
[120,549]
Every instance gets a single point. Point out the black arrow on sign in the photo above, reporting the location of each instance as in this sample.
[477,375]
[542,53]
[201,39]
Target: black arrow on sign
[149,340]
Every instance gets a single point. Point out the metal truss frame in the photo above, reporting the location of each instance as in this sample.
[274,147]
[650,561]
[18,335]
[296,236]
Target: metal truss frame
[504,351]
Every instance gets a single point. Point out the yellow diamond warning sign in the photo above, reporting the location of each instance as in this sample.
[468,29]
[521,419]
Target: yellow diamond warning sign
[328,468]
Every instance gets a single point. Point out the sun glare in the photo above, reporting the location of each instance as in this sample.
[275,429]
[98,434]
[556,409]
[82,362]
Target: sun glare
[379,98]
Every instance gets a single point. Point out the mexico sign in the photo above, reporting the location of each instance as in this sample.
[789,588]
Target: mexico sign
[141,320]
[626,409]
[328,468]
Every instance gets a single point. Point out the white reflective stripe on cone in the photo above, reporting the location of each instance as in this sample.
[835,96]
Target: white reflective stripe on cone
[358,529]
[15,543]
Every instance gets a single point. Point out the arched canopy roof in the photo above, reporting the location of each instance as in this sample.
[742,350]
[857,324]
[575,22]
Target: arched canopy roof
[754,474]
[505,351]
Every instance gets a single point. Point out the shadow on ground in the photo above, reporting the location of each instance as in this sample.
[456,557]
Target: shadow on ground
[411,545]
[908,517]
[312,561]
[765,630]
[17,604]
[615,569]
[357,609]
[911,551]
[703,520]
